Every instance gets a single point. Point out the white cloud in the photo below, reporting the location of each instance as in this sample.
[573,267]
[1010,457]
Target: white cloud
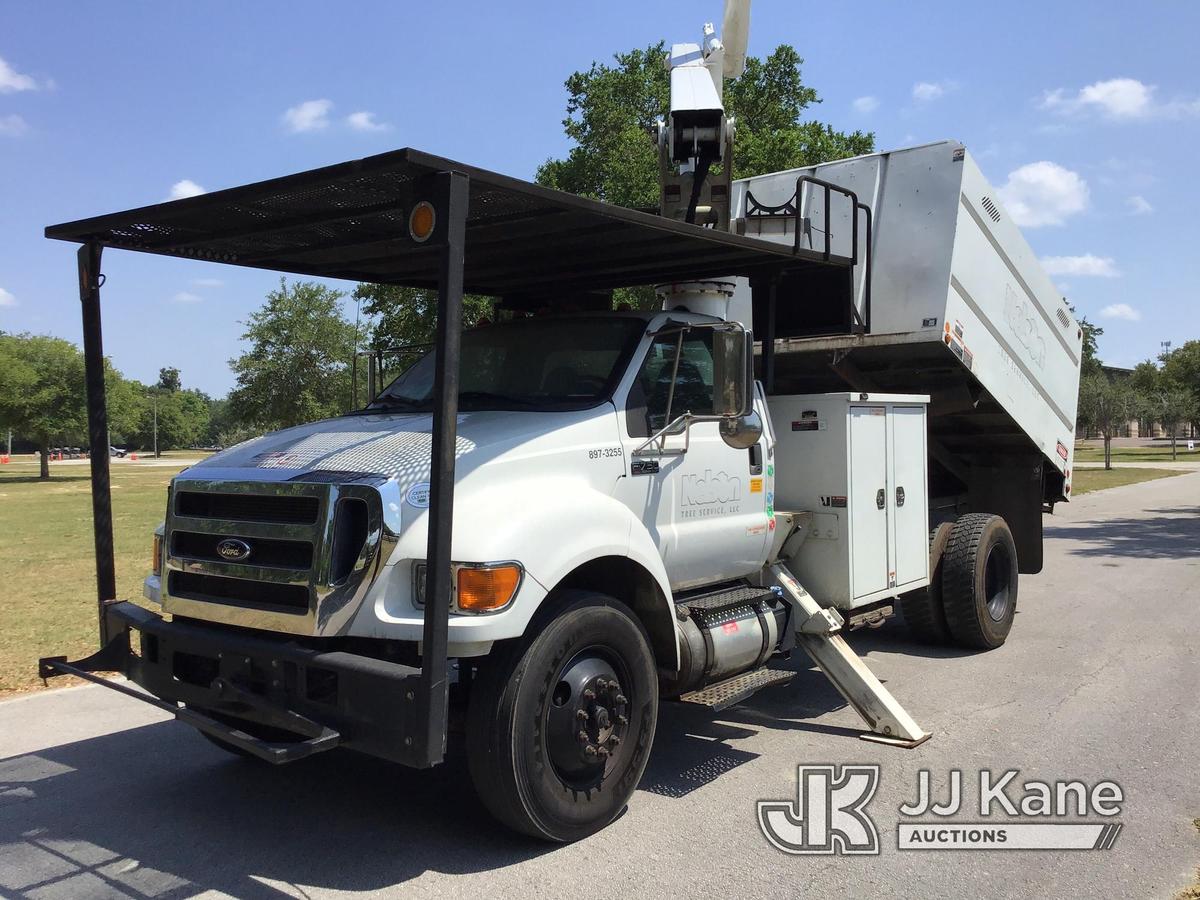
[13,126]
[1139,205]
[311,115]
[1088,264]
[924,91]
[1044,193]
[1119,100]
[208,282]
[365,121]
[866,104]
[1121,311]
[12,81]
[186,297]
[181,190]
[7,299]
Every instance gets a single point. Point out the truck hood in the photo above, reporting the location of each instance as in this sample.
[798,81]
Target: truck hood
[394,446]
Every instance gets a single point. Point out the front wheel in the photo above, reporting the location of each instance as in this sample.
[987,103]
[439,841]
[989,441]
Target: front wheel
[560,723]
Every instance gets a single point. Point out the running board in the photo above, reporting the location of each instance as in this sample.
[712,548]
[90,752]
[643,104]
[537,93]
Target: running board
[731,691]
[817,631]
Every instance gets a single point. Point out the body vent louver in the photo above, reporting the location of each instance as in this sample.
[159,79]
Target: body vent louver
[992,210]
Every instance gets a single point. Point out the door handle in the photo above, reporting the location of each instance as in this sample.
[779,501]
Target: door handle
[899,496]
[756,459]
[880,498]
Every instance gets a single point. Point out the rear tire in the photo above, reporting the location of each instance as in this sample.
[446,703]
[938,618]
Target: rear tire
[979,581]
[922,609]
[543,714]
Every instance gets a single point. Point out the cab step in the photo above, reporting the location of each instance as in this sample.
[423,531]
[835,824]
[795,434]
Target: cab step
[731,691]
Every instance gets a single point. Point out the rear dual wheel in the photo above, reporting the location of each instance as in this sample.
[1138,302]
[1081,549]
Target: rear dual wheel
[560,722]
[971,599]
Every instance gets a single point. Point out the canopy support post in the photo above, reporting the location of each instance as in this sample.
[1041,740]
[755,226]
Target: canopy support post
[90,280]
[450,200]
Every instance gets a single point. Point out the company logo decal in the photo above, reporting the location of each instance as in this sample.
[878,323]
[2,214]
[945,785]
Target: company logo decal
[233,550]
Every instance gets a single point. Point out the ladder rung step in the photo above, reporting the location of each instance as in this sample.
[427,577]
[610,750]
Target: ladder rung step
[734,690]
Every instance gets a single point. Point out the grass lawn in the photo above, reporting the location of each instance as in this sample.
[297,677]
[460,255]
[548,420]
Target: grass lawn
[1157,453]
[1085,481]
[46,559]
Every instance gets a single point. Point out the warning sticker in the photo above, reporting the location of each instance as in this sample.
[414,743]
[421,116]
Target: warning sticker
[806,425]
[756,485]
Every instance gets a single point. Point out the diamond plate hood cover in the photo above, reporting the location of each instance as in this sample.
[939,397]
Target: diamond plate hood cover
[393,446]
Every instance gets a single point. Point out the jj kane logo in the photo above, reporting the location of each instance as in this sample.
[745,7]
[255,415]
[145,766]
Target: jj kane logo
[829,814]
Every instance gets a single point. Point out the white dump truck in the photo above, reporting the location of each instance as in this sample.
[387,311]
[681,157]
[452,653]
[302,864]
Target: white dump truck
[857,394]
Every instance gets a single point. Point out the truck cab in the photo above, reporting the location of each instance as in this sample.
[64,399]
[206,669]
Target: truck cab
[561,465]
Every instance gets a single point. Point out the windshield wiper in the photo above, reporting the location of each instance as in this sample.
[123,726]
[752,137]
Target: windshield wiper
[395,404]
[490,397]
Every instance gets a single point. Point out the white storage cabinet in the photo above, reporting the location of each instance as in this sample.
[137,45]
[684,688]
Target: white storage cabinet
[858,463]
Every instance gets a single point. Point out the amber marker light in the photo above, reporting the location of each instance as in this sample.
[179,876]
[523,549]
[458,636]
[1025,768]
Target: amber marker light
[421,221]
[487,588]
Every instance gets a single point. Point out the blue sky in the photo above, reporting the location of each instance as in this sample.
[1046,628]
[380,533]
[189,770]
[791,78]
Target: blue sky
[1086,115]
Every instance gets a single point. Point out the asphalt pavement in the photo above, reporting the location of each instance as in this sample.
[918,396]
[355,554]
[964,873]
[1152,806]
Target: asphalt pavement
[103,796]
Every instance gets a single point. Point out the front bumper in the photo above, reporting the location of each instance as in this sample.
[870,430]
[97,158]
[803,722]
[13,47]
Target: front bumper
[223,675]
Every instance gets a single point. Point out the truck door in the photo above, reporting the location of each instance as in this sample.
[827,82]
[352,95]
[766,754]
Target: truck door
[706,508]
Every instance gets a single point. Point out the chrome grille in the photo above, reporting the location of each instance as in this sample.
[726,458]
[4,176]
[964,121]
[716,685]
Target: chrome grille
[305,564]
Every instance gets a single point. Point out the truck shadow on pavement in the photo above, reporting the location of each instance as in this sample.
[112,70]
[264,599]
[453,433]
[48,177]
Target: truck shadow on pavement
[155,811]
[1164,534]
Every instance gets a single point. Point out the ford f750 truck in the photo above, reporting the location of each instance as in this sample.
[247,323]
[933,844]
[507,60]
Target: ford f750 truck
[856,395]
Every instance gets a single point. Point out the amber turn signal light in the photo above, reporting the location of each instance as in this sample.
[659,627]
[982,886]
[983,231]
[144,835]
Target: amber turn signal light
[156,557]
[487,588]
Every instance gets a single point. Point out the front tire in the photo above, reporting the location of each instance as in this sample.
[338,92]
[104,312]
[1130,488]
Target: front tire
[979,581]
[560,722]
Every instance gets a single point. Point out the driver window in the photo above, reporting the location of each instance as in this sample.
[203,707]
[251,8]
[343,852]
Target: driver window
[647,409]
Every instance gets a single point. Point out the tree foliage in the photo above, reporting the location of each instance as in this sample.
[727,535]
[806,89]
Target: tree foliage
[43,393]
[1107,405]
[298,366]
[611,113]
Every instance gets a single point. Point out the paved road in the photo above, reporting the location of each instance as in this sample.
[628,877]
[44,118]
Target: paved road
[99,796]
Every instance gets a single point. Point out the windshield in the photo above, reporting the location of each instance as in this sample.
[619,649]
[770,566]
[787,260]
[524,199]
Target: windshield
[550,364]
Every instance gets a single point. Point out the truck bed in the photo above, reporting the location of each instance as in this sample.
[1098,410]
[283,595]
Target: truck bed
[960,308]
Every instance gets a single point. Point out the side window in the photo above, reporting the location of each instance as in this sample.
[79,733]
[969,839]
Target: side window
[651,392]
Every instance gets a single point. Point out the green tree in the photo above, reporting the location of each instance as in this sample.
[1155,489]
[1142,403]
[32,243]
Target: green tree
[169,380]
[611,112]
[1090,362]
[298,366]
[1181,368]
[1173,406]
[1107,405]
[43,394]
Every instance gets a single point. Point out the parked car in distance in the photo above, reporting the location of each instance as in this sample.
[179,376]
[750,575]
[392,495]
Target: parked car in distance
[118,452]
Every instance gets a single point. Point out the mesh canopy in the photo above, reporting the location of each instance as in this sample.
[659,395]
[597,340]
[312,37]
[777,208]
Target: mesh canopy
[351,221]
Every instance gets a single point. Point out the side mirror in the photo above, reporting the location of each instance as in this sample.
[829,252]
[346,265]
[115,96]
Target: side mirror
[741,432]
[733,373]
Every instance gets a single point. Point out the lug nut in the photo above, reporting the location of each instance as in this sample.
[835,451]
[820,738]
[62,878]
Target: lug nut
[602,751]
[620,698]
[582,737]
[589,694]
[615,740]
[589,750]
[581,715]
[622,720]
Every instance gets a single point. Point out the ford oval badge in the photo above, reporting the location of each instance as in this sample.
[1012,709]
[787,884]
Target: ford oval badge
[233,550]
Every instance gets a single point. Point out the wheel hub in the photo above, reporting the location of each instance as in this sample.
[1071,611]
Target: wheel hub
[587,720]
